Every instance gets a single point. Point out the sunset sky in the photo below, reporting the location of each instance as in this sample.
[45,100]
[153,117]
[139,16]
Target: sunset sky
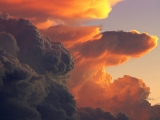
[79,59]
[144,16]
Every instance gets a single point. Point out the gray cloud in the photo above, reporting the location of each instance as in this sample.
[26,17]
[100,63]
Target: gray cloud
[33,74]
[8,43]
[36,50]
[99,114]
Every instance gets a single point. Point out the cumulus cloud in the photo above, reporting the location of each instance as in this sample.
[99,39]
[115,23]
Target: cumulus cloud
[99,114]
[8,43]
[92,50]
[43,11]
[33,73]
[36,50]
[32,80]
[30,96]
[89,82]
[33,67]
[4,16]
[71,35]
[155,112]
[121,95]
[132,44]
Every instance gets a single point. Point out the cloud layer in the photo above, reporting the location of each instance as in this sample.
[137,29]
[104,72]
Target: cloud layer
[33,74]
[37,50]
[45,11]
[34,80]
[92,52]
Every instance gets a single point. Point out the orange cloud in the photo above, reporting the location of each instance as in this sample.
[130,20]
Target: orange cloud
[70,35]
[90,84]
[43,10]
[91,50]
[121,89]
[126,94]
[131,44]
[45,25]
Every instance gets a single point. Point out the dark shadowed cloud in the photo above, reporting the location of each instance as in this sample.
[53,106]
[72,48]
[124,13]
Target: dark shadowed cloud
[34,68]
[99,114]
[32,80]
[33,74]
[90,84]
[36,50]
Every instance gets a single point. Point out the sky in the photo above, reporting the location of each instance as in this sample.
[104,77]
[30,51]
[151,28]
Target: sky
[141,15]
[79,60]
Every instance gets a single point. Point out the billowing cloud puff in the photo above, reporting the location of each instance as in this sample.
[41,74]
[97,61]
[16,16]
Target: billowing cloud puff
[131,44]
[93,50]
[121,95]
[33,67]
[36,50]
[70,35]
[32,80]
[99,114]
[114,47]
[90,84]
[8,43]
[33,76]
[155,110]
[29,96]
[127,94]
[4,16]
[47,10]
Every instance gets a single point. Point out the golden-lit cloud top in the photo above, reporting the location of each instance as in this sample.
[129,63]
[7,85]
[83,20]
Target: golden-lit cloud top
[92,52]
[43,10]
[108,48]
[70,35]
[131,44]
